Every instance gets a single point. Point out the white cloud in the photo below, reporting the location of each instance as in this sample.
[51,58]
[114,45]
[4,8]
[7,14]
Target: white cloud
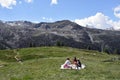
[28,1]
[54,2]
[7,3]
[20,2]
[47,19]
[99,21]
[115,24]
[117,11]
[43,18]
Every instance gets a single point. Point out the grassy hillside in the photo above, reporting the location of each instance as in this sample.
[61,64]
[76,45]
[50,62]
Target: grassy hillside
[44,64]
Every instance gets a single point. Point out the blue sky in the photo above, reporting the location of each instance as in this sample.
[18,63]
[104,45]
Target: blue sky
[95,13]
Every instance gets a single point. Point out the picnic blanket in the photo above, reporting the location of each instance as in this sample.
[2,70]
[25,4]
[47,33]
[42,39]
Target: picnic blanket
[72,66]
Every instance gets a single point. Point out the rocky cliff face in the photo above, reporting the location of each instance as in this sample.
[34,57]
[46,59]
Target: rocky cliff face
[21,34]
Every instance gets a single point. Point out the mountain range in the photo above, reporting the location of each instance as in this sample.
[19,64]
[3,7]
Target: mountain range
[23,34]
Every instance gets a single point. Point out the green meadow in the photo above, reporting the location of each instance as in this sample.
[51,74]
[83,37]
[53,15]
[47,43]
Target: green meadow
[43,63]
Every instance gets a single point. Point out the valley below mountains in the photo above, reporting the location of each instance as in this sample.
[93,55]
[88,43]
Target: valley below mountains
[23,34]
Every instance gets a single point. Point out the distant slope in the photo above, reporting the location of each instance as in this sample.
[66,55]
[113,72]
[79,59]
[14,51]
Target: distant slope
[21,34]
[43,63]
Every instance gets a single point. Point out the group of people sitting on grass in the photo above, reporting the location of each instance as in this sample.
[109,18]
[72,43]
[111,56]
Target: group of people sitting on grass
[75,64]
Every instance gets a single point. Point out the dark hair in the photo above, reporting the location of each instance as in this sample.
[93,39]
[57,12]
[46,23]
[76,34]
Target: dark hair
[68,58]
[75,59]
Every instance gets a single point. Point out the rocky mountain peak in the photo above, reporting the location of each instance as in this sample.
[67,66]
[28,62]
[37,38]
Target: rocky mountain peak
[21,34]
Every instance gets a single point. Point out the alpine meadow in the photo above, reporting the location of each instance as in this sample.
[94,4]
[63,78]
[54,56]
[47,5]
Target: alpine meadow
[43,63]
[59,39]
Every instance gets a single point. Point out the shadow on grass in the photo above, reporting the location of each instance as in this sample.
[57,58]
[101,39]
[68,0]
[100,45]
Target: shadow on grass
[32,56]
[11,58]
[7,56]
[112,60]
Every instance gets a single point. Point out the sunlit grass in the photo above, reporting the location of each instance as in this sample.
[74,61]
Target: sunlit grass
[44,64]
